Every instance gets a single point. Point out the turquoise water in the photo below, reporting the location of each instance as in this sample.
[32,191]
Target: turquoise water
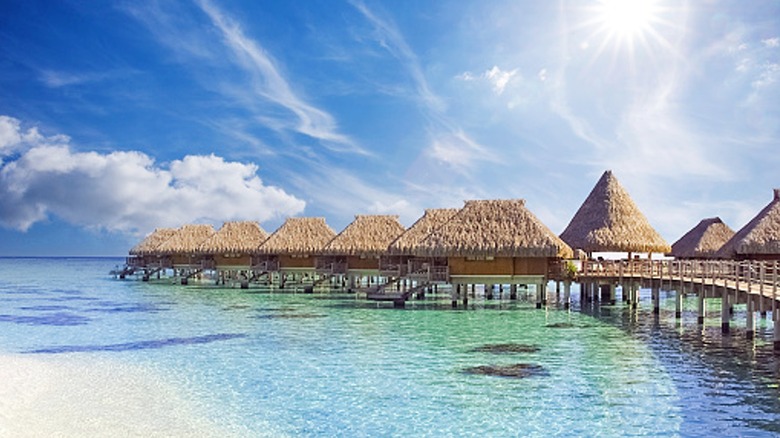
[253,363]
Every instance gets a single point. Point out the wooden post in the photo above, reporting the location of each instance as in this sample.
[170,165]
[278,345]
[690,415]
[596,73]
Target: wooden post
[465,296]
[678,301]
[454,297]
[512,291]
[776,337]
[566,294]
[724,309]
[761,307]
[656,300]
[543,289]
[612,295]
[538,296]
[488,291]
[750,326]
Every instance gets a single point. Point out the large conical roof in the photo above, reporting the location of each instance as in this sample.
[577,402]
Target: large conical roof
[760,236]
[367,235]
[609,220]
[703,240]
[504,228]
[299,236]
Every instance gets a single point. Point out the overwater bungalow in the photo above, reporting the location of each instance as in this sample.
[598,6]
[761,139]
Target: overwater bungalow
[703,241]
[759,239]
[402,258]
[183,249]
[293,248]
[610,221]
[145,254]
[355,252]
[229,251]
[495,242]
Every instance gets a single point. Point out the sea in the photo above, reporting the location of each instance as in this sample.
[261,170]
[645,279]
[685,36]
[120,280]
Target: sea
[85,354]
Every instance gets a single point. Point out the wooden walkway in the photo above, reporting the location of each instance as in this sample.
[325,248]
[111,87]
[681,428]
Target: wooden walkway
[753,283]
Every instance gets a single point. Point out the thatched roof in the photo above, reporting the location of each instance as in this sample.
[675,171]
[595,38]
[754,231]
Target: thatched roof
[299,236]
[609,220]
[703,240]
[407,243]
[152,241]
[187,240]
[235,238]
[367,235]
[504,228]
[760,236]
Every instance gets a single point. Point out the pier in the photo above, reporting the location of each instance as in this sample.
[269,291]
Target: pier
[752,283]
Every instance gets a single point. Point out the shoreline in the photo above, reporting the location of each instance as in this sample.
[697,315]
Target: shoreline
[87,396]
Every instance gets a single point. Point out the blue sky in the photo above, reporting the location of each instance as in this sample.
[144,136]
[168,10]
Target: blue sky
[119,117]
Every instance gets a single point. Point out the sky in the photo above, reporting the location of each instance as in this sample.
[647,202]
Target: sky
[120,117]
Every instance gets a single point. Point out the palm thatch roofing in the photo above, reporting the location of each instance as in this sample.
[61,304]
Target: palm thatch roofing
[760,236]
[703,240]
[154,239]
[609,220]
[407,243]
[187,239]
[299,236]
[235,238]
[367,235]
[502,228]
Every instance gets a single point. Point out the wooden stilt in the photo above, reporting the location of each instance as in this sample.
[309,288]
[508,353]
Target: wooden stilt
[512,291]
[776,337]
[750,328]
[566,294]
[656,292]
[538,296]
[724,310]
[678,302]
[700,308]
[488,291]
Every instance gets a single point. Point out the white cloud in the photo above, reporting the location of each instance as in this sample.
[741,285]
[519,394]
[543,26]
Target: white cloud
[14,139]
[771,42]
[542,75]
[496,77]
[499,78]
[128,192]
[768,76]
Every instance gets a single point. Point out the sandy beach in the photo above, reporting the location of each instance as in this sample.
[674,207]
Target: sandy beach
[78,396]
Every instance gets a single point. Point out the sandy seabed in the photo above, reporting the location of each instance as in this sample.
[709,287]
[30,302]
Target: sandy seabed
[69,396]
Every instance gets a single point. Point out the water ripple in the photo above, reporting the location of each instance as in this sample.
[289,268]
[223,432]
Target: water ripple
[140,345]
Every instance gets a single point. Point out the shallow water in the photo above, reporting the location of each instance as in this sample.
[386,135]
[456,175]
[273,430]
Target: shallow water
[243,363]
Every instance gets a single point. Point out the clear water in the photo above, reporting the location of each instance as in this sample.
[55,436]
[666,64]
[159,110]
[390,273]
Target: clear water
[243,363]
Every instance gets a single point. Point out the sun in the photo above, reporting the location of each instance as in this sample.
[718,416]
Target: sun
[627,27]
[627,20]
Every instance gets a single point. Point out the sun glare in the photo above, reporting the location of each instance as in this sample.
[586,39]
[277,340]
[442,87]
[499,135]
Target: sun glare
[625,26]
[627,18]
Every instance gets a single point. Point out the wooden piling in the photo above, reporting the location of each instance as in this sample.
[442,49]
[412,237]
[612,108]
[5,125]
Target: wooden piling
[750,327]
[724,310]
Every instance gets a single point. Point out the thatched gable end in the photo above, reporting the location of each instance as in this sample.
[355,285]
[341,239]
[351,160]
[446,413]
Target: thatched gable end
[761,236]
[408,242]
[149,245]
[704,240]
[299,236]
[501,228]
[187,239]
[235,238]
[367,235]
[609,220]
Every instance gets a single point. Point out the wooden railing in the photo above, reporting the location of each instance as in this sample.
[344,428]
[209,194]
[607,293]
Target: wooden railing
[756,277]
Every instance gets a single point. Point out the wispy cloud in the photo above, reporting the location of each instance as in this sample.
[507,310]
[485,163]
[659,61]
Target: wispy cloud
[270,84]
[267,93]
[448,141]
